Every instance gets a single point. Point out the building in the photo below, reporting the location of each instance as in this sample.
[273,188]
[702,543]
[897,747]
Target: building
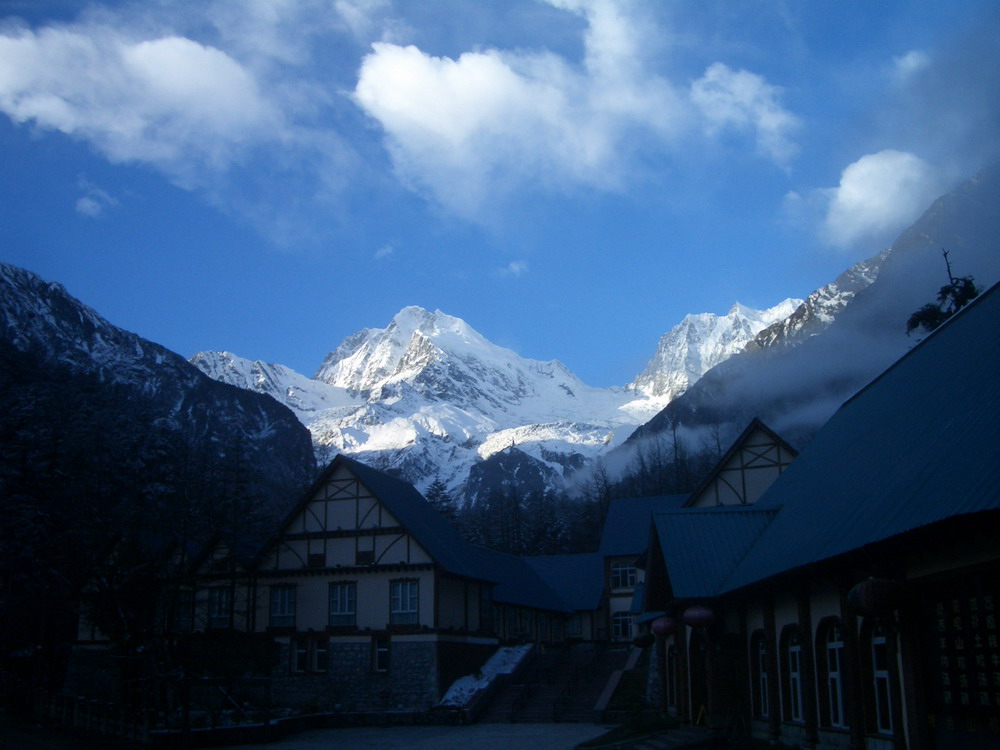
[624,539]
[855,603]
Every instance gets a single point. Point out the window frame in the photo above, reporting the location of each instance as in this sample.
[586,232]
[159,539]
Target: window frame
[881,678]
[623,575]
[309,654]
[381,653]
[282,605]
[346,598]
[220,607]
[622,625]
[831,650]
[404,602]
[792,675]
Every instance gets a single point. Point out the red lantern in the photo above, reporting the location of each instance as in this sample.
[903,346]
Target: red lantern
[874,597]
[698,616]
[664,625]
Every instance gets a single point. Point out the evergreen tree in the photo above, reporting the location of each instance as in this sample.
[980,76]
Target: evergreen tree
[952,297]
[439,498]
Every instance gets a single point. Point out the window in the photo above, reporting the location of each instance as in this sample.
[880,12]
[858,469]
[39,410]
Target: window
[220,607]
[880,679]
[795,676]
[758,673]
[622,575]
[404,597]
[791,684]
[343,603]
[380,653]
[300,653]
[310,653]
[830,661]
[621,625]
[320,656]
[364,553]
[283,606]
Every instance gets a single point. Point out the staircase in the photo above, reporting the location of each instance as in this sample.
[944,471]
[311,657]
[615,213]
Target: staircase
[562,684]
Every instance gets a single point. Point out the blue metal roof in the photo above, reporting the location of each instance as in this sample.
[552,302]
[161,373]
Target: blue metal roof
[702,546]
[518,583]
[626,529]
[919,444]
[579,579]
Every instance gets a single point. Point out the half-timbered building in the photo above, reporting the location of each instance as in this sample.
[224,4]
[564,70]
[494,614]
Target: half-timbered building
[375,599]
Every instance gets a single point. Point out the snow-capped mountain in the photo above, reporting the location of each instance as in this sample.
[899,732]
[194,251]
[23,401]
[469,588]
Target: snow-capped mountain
[797,373]
[700,342]
[820,308]
[431,398]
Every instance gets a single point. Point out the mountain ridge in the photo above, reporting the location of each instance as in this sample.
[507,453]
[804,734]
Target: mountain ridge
[796,388]
[429,397]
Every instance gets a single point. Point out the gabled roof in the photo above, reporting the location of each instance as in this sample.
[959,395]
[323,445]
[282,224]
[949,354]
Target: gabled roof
[518,583]
[721,465]
[431,530]
[626,529]
[919,444]
[702,546]
[579,578]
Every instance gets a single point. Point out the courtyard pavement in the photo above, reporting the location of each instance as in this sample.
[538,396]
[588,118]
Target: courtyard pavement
[472,737]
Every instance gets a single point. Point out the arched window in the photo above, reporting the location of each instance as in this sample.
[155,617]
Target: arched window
[791,674]
[879,666]
[830,660]
[758,674]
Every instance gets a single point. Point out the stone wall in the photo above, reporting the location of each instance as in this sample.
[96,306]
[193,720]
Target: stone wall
[351,684]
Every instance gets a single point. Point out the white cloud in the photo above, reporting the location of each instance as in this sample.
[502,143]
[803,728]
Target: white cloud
[467,130]
[168,101]
[878,195]
[745,101]
[514,268]
[906,66]
[384,252]
[94,202]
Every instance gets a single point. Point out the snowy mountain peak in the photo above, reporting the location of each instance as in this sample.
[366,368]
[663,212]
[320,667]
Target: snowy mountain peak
[416,320]
[437,354]
[701,341]
[821,308]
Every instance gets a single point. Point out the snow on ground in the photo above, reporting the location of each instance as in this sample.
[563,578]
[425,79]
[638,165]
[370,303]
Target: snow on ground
[504,661]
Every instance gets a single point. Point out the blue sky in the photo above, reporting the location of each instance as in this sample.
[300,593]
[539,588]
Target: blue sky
[570,177]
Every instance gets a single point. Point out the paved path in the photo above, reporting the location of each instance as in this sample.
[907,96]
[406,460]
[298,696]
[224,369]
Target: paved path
[473,737]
